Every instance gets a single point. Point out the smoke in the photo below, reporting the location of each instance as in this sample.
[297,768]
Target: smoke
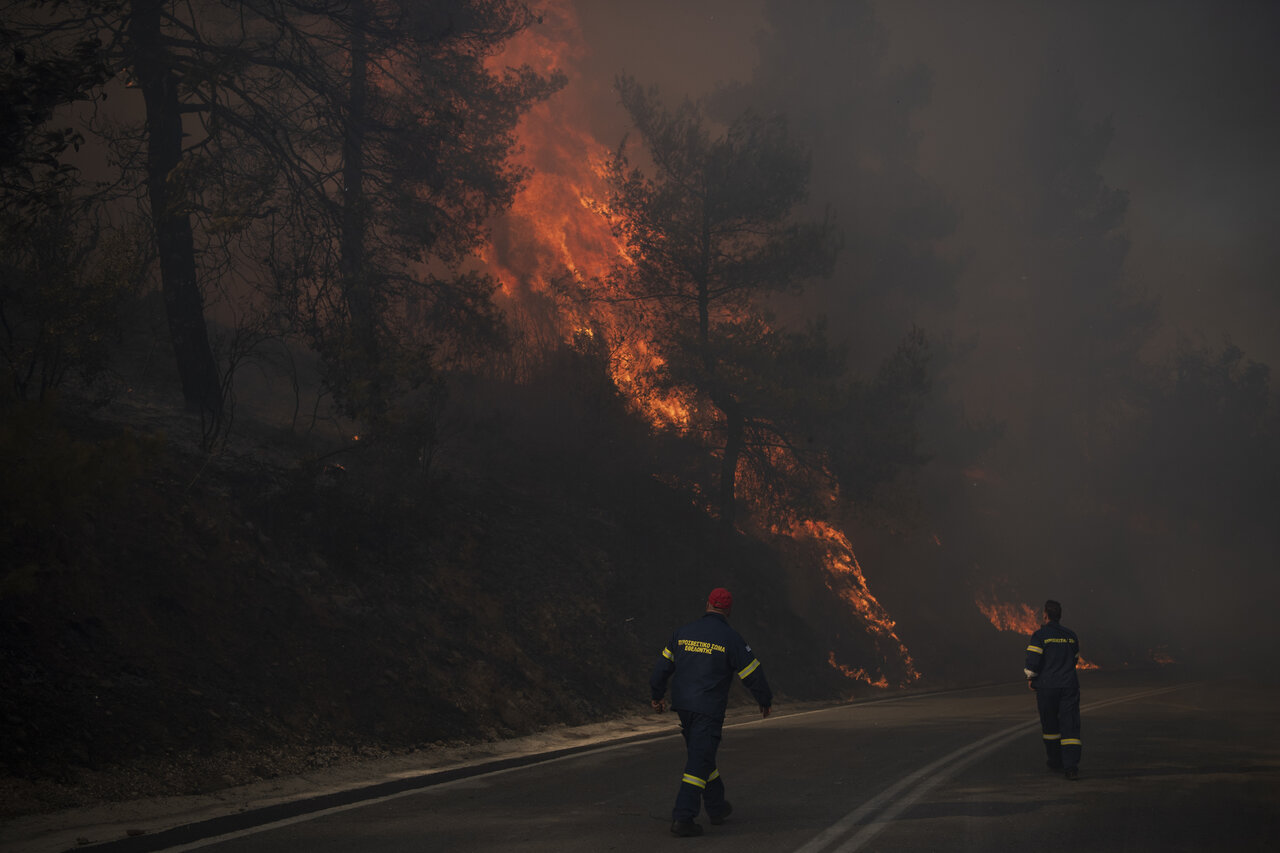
[1057,193]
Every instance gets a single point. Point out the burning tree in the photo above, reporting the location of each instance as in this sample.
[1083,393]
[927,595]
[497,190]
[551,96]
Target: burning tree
[408,129]
[321,169]
[708,232]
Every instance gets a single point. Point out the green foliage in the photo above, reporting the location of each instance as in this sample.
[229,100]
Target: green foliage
[52,479]
[709,233]
[1087,323]
[1211,449]
[709,229]
[877,436]
[785,385]
[855,108]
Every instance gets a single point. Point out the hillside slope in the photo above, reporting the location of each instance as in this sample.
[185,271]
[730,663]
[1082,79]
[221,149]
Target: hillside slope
[176,623]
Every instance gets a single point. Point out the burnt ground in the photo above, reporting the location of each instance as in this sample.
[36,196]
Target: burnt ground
[176,623]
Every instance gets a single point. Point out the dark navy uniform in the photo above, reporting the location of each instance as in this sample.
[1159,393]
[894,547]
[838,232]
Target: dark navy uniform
[701,661]
[1051,665]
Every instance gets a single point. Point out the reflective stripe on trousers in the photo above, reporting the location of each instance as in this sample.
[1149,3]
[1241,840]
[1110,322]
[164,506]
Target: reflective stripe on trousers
[701,784]
[1059,709]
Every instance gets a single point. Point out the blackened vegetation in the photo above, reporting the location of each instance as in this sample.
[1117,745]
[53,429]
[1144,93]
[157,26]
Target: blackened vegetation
[175,623]
[506,543]
[283,196]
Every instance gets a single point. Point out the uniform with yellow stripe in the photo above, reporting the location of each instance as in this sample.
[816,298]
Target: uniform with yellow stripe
[1051,658]
[700,661]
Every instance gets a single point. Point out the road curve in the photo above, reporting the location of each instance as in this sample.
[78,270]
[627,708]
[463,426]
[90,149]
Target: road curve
[1168,765]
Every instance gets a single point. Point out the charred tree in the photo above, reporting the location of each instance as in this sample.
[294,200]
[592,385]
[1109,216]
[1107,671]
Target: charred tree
[183,300]
[58,313]
[130,39]
[328,167]
[356,285]
[404,110]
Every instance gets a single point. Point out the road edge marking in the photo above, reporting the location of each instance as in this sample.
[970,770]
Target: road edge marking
[930,776]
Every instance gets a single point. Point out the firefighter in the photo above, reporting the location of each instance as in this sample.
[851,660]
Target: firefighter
[701,660]
[1050,668]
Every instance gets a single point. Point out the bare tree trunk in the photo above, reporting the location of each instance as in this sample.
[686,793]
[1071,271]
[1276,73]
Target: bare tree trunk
[724,401]
[734,426]
[356,282]
[184,304]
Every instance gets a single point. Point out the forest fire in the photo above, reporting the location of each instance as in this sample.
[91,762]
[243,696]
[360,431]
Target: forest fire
[845,579]
[1006,616]
[858,674]
[552,252]
[1016,618]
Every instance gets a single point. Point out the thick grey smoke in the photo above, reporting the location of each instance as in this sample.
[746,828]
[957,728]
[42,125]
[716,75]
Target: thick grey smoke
[1188,84]
[1062,192]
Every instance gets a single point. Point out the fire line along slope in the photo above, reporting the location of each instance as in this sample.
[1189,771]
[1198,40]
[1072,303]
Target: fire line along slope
[192,623]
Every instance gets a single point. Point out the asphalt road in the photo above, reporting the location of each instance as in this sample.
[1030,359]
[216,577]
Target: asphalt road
[1168,765]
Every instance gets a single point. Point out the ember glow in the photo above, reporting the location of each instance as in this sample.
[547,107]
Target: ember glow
[858,674]
[549,229]
[552,252]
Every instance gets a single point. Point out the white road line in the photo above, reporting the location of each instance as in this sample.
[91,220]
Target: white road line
[319,813]
[424,790]
[961,756]
[926,779]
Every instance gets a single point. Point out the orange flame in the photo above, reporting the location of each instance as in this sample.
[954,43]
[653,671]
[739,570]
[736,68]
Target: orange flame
[556,243]
[555,237]
[549,228]
[1005,616]
[858,674]
[846,580]
[1018,619]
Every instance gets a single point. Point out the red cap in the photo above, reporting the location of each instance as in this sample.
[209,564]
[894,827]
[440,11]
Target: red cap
[720,598]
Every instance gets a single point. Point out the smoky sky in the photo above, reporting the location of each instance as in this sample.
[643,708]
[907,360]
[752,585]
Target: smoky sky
[1188,85]
[1188,88]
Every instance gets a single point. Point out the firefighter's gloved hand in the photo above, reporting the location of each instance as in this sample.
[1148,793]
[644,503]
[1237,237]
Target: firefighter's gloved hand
[659,705]
[764,711]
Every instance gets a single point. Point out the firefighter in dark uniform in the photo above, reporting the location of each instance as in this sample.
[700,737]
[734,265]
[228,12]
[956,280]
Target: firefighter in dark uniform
[700,661]
[1051,672]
